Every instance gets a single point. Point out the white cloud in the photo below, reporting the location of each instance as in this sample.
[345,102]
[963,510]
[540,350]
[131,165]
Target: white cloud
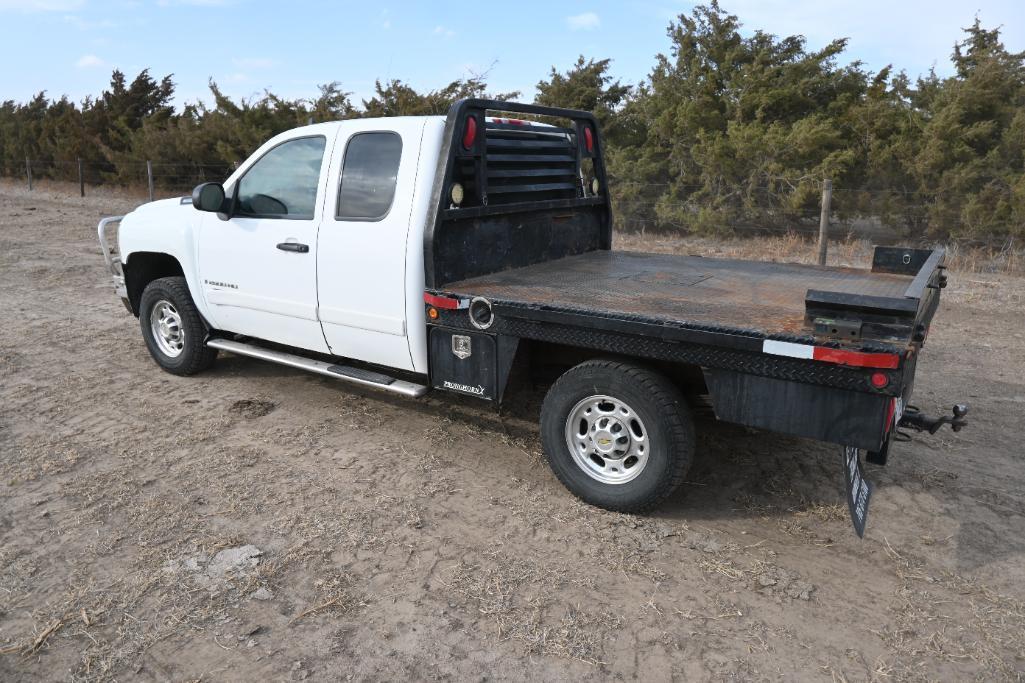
[89,62]
[444,32]
[87,25]
[254,62]
[587,21]
[40,5]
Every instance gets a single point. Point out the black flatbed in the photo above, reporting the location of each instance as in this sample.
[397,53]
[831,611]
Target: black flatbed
[764,299]
[521,284]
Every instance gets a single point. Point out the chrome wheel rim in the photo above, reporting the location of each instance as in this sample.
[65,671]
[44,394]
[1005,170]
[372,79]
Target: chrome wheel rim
[166,324]
[607,439]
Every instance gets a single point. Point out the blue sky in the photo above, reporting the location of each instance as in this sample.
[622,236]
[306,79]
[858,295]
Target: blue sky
[70,46]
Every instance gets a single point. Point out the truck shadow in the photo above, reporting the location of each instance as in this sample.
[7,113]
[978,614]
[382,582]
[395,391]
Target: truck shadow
[739,472]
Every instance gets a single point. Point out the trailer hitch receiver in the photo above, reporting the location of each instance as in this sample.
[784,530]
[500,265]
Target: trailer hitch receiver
[920,422]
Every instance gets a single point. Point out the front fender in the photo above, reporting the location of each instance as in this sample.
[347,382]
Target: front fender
[168,226]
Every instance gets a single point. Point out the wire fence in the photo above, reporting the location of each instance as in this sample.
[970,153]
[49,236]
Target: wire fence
[148,178]
[853,213]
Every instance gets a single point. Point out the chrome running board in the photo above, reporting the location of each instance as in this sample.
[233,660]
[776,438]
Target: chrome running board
[367,378]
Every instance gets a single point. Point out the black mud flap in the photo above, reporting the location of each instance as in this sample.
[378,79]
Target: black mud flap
[858,489]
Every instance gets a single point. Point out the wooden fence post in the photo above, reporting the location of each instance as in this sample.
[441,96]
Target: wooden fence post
[81,179]
[827,199]
[149,178]
[28,172]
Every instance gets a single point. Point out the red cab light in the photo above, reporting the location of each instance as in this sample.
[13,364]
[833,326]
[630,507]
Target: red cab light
[470,132]
[879,380]
[589,139]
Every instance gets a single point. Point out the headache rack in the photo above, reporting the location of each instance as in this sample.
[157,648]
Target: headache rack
[510,192]
[522,162]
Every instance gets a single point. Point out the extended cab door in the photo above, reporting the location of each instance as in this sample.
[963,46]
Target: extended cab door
[258,268]
[361,256]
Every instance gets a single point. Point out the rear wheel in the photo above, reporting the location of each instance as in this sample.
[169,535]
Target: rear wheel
[172,327]
[617,435]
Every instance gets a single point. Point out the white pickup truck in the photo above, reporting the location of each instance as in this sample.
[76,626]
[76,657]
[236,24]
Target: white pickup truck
[446,251]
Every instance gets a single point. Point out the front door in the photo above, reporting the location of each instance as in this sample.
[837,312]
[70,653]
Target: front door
[258,268]
[361,256]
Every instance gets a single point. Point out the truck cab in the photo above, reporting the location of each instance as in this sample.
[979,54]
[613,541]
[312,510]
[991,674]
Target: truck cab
[320,249]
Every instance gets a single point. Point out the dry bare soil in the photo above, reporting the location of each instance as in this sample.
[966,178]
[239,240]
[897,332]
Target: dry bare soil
[256,522]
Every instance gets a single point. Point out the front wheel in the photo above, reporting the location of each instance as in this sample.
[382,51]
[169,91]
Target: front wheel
[172,327]
[617,435]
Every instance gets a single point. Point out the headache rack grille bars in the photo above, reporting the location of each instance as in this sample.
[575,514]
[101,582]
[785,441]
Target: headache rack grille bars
[489,157]
[527,191]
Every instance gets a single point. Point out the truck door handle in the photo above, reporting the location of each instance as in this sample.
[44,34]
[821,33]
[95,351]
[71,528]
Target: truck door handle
[294,246]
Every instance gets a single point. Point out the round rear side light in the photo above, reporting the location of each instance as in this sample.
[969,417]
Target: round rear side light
[588,139]
[456,194]
[470,132]
[879,380]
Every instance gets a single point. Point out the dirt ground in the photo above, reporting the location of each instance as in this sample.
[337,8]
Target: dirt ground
[256,522]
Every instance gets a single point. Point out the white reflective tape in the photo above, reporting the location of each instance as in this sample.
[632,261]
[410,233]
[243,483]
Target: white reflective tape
[781,348]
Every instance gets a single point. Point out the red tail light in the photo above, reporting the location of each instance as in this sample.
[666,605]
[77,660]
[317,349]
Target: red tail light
[879,380]
[470,132]
[589,139]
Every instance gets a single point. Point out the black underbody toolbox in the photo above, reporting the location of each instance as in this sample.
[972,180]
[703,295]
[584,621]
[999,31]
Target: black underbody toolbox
[471,362]
[464,362]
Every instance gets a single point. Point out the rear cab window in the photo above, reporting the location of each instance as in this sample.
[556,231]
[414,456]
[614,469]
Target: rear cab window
[370,170]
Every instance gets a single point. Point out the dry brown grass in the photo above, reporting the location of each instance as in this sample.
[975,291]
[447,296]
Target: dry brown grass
[521,599]
[796,248]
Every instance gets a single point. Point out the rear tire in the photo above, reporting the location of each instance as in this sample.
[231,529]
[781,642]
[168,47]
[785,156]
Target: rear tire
[173,329]
[617,435]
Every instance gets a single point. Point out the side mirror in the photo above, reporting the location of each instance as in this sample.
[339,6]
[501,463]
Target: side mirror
[208,197]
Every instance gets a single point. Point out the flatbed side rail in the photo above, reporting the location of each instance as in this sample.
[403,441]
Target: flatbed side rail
[797,358]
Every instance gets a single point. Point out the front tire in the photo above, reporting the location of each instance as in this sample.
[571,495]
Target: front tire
[617,435]
[173,329]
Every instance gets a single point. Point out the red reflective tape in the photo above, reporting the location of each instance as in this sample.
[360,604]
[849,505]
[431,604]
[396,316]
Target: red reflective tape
[856,359]
[890,412]
[441,301]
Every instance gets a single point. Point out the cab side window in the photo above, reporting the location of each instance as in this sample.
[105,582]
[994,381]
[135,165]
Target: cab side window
[369,173]
[283,182]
